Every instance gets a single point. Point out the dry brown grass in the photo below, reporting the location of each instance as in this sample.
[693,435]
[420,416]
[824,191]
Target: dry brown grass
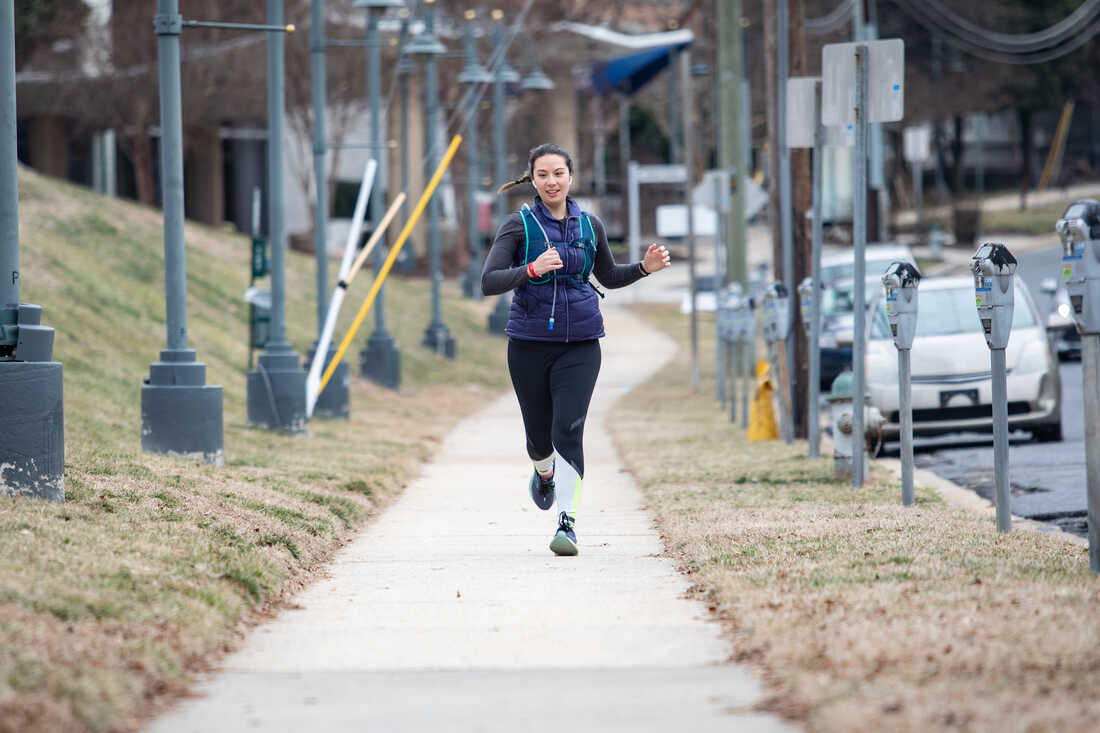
[860,613]
[153,567]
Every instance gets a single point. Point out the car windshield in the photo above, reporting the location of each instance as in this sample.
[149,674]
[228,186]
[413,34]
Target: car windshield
[845,270]
[949,311]
[838,299]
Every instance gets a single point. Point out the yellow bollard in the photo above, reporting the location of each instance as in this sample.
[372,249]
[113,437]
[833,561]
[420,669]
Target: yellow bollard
[762,425]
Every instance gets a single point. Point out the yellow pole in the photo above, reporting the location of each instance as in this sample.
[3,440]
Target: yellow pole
[388,264]
[1057,146]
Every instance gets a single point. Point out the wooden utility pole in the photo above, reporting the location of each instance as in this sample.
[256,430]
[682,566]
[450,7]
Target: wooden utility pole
[731,70]
[802,200]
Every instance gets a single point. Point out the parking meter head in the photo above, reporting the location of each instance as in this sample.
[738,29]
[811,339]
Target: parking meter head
[776,312]
[728,302]
[900,283]
[1079,230]
[993,267]
[806,302]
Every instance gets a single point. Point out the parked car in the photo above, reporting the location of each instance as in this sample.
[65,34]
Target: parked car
[837,320]
[952,383]
[1060,325]
[841,265]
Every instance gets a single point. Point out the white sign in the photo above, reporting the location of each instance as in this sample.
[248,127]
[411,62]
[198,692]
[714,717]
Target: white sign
[885,82]
[801,111]
[661,174]
[917,144]
[843,136]
[672,221]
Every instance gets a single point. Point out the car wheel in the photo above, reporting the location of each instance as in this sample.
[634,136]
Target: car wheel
[1048,433]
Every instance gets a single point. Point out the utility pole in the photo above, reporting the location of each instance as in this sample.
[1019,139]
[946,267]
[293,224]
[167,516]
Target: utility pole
[731,149]
[180,413]
[277,387]
[801,237]
[32,438]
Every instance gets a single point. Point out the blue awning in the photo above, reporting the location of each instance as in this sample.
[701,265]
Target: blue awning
[627,74]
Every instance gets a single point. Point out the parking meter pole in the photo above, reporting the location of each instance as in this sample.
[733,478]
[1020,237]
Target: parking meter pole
[380,361]
[748,356]
[918,189]
[1000,439]
[859,230]
[32,451]
[813,431]
[720,343]
[180,414]
[276,394]
[905,403]
[689,142]
[1090,369]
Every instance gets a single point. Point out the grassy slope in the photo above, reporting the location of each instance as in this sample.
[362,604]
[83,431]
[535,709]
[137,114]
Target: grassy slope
[861,613]
[108,601]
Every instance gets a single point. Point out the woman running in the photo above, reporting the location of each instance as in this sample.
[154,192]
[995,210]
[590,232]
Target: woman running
[545,252]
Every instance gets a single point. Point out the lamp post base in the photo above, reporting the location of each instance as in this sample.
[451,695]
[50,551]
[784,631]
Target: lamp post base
[334,402]
[277,391]
[498,319]
[438,338]
[32,436]
[380,362]
[180,413]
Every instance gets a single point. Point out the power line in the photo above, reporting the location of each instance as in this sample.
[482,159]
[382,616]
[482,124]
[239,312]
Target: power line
[1066,28]
[960,40]
[834,20]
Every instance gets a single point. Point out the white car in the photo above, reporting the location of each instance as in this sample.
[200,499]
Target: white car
[952,384]
[841,265]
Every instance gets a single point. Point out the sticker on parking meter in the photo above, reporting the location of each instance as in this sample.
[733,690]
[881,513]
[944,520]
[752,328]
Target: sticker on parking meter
[1067,272]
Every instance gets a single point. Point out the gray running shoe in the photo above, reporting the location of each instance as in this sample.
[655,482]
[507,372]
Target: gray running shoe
[542,491]
[565,540]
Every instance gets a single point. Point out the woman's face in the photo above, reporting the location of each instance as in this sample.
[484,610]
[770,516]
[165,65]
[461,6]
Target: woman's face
[551,177]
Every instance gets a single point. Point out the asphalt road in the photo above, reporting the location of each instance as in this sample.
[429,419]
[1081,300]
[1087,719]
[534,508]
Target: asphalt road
[1047,480]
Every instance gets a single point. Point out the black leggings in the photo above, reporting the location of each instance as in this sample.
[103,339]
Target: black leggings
[554,383]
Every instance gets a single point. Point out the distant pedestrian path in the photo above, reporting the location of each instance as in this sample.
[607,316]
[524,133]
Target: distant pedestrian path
[450,614]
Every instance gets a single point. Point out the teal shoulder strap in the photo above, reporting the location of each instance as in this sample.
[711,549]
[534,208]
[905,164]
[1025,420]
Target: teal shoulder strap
[527,246]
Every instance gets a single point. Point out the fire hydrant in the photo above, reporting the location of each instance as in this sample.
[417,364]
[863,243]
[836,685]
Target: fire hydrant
[762,424]
[841,406]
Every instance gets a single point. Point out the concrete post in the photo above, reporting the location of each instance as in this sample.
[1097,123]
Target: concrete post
[277,387]
[180,414]
[380,361]
[334,401]
[32,438]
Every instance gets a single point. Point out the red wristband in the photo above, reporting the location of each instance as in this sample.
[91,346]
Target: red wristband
[531,270]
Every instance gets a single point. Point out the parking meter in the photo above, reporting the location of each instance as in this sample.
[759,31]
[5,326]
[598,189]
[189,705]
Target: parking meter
[806,303]
[744,321]
[994,267]
[1079,230]
[777,312]
[729,301]
[900,282]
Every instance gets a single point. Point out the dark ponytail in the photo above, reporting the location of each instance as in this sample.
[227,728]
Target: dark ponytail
[535,154]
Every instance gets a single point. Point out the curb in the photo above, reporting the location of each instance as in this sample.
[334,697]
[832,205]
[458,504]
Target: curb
[956,495]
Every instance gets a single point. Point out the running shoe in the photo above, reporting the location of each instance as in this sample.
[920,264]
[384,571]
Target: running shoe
[542,491]
[565,541]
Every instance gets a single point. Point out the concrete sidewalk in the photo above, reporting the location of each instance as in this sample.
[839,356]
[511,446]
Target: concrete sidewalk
[449,613]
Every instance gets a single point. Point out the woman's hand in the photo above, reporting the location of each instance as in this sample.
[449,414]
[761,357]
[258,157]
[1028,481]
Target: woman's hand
[656,258]
[547,261]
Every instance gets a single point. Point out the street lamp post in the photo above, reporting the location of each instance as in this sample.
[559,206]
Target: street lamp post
[505,74]
[473,74]
[277,387]
[333,402]
[406,261]
[32,439]
[180,413]
[436,336]
[380,361]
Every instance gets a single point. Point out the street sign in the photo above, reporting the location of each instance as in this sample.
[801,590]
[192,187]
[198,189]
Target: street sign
[917,144]
[885,82]
[801,117]
[660,174]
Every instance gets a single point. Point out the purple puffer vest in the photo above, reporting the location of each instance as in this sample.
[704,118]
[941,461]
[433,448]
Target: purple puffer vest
[565,307]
